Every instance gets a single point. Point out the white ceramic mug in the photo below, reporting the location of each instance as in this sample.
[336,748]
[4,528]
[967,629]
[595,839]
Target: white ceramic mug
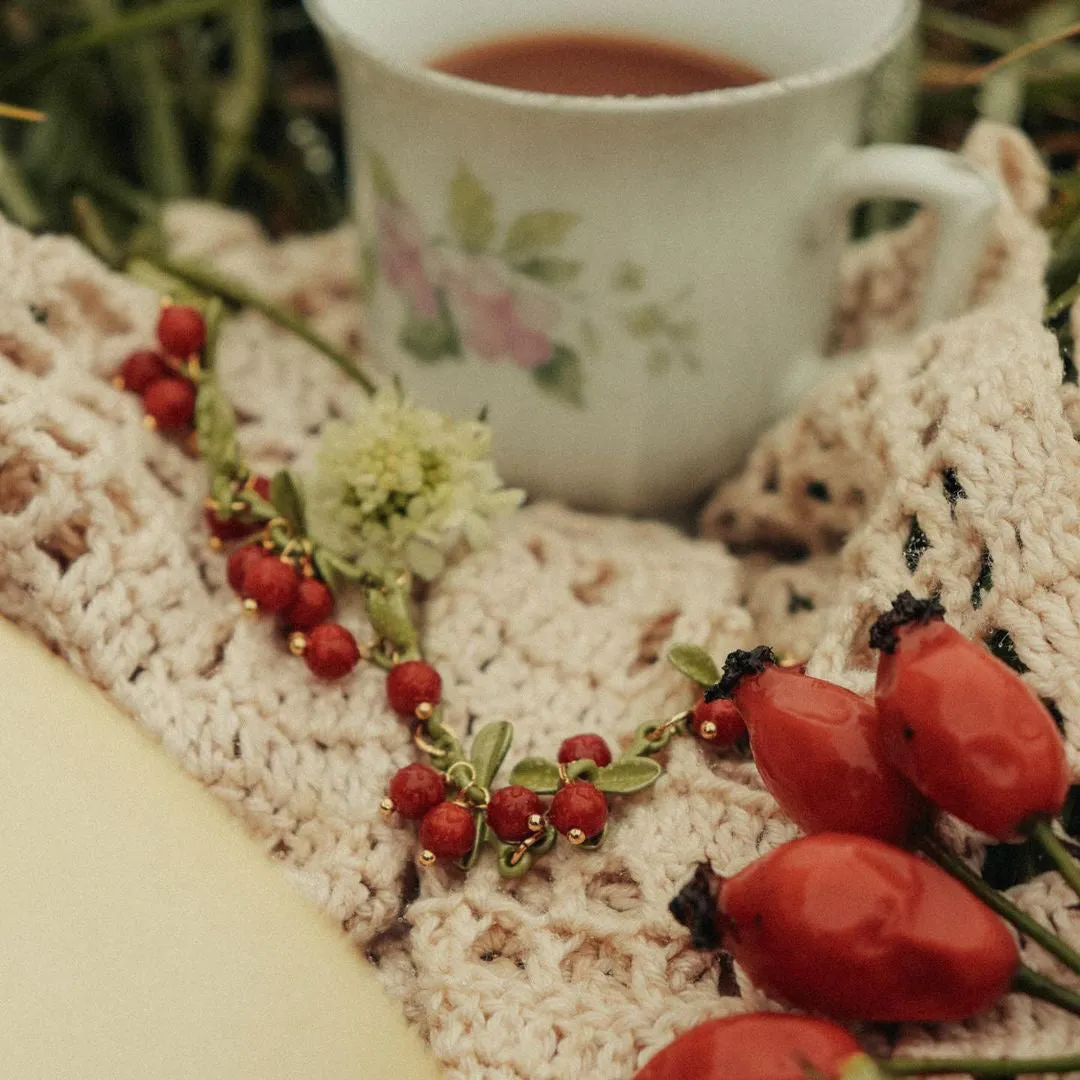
[631,287]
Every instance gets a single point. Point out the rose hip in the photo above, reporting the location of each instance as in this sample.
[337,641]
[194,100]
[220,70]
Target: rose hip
[181,330]
[140,369]
[579,811]
[314,604]
[170,403]
[271,583]
[509,811]
[415,789]
[330,651]
[585,748]
[240,561]
[448,831]
[411,684]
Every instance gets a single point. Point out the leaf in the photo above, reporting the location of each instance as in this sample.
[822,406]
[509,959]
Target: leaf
[536,773]
[549,269]
[478,843]
[489,749]
[509,869]
[285,495]
[327,570]
[258,507]
[627,775]
[695,663]
[388,611]
[562,376]
[382,179]
[430,339]
[472,211]
[215,423]
[540,229]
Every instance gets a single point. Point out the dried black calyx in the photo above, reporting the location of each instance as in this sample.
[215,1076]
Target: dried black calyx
[906,609]
[737,666]
[695,908]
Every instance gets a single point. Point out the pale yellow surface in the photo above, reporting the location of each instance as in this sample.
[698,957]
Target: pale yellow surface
[143,936]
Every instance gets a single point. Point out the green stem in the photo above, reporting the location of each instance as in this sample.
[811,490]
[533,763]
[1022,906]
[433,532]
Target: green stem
[1030,982]
[16,197]
[133,24]
[1002,905]
[974,31]
[92,231]
[1043,831]
[1065,300]
[233,292]
[979,1066]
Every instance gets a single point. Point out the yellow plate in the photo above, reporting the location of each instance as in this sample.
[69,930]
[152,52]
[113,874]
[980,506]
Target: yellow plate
[143,936]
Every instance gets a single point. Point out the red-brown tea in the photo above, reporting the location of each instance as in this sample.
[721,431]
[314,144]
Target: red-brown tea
[595,65]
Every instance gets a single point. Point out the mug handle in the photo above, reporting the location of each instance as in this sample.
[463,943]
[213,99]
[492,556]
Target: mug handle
[964,197]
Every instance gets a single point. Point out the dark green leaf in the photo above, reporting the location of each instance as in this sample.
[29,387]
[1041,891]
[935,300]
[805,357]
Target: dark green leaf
[536,773]
[627,775]
[326,569]
[472,211]
[562,376]
[478,843]
[695,663]
[258,507]
[549,269]
[215,424]
[489,749]
[389,613]
[540,229]
[288,502]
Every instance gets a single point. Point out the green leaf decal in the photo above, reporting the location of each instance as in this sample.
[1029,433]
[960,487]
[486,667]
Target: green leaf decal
[489,748]
[536,773]
[695,663]
[327,569]
[549,269]
[562,375]
[478,843]
[382,179]
[540,229]
[430,340]
[389,614]
[627,775]
[472,211]
[215,424]
[285,495]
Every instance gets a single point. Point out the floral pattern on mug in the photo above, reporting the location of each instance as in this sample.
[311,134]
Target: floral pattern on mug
[508,299]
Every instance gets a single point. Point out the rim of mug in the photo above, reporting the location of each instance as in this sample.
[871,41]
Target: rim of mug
[753,94]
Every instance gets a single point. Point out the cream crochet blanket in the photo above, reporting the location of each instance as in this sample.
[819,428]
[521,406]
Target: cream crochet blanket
[949,463]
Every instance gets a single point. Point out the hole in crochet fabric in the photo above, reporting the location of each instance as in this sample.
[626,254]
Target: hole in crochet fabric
[855,497]
[865,385]
[654,636]
[1001,644]
[24,356]
[20,479]
[592,591]
[727,984]
[616,890]
[772,477]
[985,581]
[498,946]
[67,542]
[39,314]
[687,968]
[596,960]
[1061,327]
[954,490]
[818,490]
[833,539]
[535,547]
[797,602]
[916,543]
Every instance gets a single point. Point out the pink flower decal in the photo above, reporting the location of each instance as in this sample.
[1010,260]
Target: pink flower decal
[402,258]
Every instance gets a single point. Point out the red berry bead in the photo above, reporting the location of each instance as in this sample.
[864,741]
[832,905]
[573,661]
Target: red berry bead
[271,583]
[140,369]
[448,831]
[231,528]
[718,722]
[181,330]
[579,811]
[240,561]
[331,651]
[412,684]
[314,604]
[415,789]
[509,811]
[170,402]
[585,748]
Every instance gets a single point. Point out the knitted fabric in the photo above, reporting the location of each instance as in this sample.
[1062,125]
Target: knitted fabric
[945,463]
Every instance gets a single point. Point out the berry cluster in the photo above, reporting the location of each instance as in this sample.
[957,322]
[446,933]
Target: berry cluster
[167,378]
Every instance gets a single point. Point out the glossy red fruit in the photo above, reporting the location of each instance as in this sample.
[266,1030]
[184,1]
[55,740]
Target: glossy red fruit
[411,684]
[181,330]
[140,369]
[415,789]
[962,726]
[815,746]
[271,583]
[448,831]
[717,722]
[581,806]
[509,811]
[331,651]
[755,1046]
[585,748]
[240,561]
[171,403]
[314,604]
[855,929]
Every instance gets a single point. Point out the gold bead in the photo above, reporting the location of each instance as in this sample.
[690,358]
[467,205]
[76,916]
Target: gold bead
[149,423]
[425,710]
[214,543]
[250,607]
[576,836]
[386,807]
[117,383]
[297,643]
[307,569]
[535,822]
[708,730]
[211,504]
[426,858]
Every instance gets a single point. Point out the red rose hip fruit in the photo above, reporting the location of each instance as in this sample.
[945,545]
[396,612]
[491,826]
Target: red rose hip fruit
[509,811]
[240,561]
[314,604]
[412,684]
[140,369]
[579,811]
[181,330]
[331,651]
[170,403]
[585,748]
[448,831]
[416,789]
[271,583]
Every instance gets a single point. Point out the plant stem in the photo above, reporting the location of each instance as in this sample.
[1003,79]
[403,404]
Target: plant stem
[979,1066]
[16,197]
[995,900]
[233,292]
[1067,866]
[971,30]
[1030,982]
[1065,300]
[133,24]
